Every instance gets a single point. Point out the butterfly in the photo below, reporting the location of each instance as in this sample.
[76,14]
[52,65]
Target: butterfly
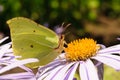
[32,40]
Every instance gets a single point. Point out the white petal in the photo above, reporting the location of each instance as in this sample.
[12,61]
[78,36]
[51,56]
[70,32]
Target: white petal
[118,38]
[110,50]
[18,63]
[52,73]
[17,76]
[102,46]
[88,71]
[60,74]
[42,72]
[42,77]
[50,66]
[61,56]
[2,40]
[70,74]
[3,49]
[26,68]
[9,50]
[83,71]
[111,60]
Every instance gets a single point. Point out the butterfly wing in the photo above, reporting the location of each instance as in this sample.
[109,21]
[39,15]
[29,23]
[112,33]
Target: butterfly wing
[31,40]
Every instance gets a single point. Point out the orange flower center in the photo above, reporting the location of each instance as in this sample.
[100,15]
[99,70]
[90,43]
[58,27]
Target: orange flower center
[81,49]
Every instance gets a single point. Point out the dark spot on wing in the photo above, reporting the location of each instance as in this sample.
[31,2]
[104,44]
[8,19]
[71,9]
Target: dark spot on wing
[21,48]
[31,46]
[34,31]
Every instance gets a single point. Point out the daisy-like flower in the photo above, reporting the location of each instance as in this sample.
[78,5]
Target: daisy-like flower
[8,62]
[79,59]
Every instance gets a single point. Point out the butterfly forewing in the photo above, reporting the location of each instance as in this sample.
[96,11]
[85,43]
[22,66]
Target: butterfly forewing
[31,40]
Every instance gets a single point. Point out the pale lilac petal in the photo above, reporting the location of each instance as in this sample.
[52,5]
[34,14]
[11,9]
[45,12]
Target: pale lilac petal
[33,78]
[71,72]
[7,60]
[88,71]
[55,63]
[3,49]
[53,66]
[110,50]
[9,52]
[59,75]
[118,38]
[41,77]
[61,56]
[43,72]
[52,73]
[111,60]
[100,69]
[102,46]
[44,69]
[17,76]
[83,71]
[25,68]
[18,63]
[2,40]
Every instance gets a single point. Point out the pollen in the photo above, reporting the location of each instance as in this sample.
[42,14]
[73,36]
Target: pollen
[81,49]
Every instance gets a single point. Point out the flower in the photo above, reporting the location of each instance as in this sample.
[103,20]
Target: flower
[79,59]
[8,61]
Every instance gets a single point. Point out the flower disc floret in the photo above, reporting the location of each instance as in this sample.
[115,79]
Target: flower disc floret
[81,49]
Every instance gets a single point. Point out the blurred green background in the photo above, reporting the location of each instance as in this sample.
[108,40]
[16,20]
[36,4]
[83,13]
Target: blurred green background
[98,19]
